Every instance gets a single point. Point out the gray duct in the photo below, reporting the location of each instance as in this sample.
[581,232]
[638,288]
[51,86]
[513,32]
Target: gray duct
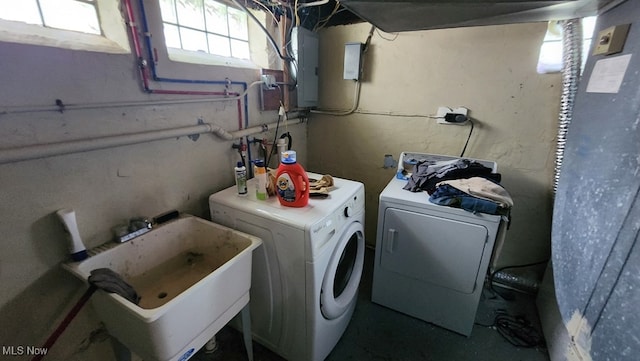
[571,63]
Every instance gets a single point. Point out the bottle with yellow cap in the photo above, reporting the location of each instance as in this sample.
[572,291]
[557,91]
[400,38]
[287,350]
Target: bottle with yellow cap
[261,177]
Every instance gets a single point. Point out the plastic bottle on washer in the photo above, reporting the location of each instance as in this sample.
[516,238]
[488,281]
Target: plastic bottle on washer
[292,182]
[261,177]
[241,178]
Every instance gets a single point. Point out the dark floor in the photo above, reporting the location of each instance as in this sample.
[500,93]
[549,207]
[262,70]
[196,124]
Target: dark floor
[379,333]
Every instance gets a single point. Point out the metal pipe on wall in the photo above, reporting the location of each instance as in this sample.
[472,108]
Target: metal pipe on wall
[122,104]
[37,151]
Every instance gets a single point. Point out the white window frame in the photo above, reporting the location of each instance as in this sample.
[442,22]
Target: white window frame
[114,38]
[178,23]
[259,47]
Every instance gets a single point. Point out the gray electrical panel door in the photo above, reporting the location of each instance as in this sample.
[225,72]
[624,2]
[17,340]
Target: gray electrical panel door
[305,44]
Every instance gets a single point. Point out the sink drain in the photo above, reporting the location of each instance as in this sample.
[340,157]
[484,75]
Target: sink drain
[162,295]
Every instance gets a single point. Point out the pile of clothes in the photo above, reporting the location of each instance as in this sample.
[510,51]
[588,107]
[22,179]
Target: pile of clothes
[461,183]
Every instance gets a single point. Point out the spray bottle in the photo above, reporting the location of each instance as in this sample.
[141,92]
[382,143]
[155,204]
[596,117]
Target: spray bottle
[76,247]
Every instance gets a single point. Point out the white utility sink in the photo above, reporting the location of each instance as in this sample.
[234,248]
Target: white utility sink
[193,277]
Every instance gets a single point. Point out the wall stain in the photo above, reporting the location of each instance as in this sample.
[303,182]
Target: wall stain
[98,335]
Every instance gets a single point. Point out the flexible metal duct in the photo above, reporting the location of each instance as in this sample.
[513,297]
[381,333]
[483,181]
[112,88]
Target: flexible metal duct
[525,282]
[571,63]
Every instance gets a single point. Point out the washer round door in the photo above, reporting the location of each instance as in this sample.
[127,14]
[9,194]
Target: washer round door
[342,278]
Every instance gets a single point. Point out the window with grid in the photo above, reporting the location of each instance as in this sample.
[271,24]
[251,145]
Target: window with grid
[54,14]
[206,26]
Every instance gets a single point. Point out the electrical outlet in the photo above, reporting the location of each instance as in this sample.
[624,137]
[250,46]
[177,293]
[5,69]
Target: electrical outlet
[443,111]
[269,82]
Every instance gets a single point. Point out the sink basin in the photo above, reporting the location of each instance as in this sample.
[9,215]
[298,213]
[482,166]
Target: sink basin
[193,277]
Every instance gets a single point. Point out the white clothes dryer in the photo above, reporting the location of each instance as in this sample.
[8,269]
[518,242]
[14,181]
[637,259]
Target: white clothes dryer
[431,260]
[305,278]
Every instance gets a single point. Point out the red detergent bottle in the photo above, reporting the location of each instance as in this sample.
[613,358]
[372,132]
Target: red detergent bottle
[292,182]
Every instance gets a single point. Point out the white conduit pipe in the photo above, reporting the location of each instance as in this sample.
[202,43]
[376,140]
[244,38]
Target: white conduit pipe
[257,129]
[356,101]
[37,151]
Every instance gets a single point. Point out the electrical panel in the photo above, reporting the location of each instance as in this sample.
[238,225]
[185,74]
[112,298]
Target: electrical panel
[305,46]
[352,61]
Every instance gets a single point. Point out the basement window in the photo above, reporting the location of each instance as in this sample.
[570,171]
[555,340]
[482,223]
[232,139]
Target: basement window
[94,25]
[213,32]
[54,14]
[550,60]
[205,26]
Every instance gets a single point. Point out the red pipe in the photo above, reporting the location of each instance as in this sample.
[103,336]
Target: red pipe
[136,44]
[67,320]
[190,92]
[143,69]
[145,77]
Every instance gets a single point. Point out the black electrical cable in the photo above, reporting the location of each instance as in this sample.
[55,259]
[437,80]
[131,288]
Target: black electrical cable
[66,321]
[468,137]
[517,330]
[293,69]
[275,137]
[365,48]
[263,147]
[289,139]
[282,136]
[269,37]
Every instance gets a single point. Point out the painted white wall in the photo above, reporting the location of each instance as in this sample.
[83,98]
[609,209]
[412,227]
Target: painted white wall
[104,187]
[490,70]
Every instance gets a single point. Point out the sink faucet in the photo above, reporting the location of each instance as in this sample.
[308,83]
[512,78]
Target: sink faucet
[137,226]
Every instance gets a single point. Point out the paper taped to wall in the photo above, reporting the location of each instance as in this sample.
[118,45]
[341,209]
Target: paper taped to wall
[607,74]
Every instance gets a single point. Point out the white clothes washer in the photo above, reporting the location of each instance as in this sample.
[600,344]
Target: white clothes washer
[305,278]
[431,260]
